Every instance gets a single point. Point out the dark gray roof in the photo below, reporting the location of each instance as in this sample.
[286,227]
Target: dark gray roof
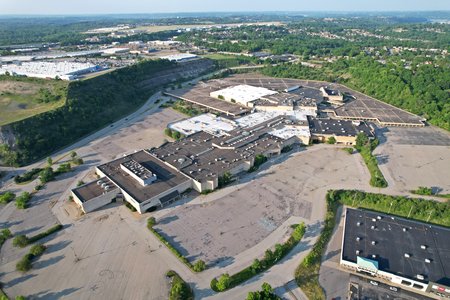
[167,177]
[92,189]
[338,127]
[392,242]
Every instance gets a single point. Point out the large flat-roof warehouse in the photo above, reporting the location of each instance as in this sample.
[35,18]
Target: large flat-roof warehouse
[410,254]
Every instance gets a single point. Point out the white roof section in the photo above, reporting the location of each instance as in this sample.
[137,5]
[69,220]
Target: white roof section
[287,132]
[179,57]
[243,93]
[64,70]
[263,116]
[206,122]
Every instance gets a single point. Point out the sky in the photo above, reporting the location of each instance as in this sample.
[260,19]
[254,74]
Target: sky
[163,6]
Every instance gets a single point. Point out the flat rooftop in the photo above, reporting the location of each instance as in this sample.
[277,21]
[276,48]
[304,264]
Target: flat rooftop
[94,189]
[363,107]
[392,242]
[199,95]
[167,177]
[339,127]
[206,122]
[243,93]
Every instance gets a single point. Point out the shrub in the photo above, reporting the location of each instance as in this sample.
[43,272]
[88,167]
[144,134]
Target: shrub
[20,241]
[331,140]
[6,233]
[349,150]
[20,298]
[7,197]
[179,290]
[80,183]
[27,176]
[78,161]
[46,233]
[37,250]
[199,266]
[224,282]
[151,222]
[63,168]
[422,190]
[47,175]
[24,264]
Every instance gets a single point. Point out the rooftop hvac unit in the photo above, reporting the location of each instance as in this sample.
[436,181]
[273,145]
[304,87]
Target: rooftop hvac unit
[423,247]
[374,220]
[373,227]
[358,238]
[404,229]
[358,223]
[373,243]
[420,277]
[379,218]
[99,182]
[374,256]
[358,252]
[407,255]
[427,260]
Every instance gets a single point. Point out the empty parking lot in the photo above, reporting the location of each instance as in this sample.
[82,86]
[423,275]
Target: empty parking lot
[225,223]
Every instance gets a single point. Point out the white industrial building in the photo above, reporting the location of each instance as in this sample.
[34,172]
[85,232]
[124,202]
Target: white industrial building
[63,70]
[242,94]
[179,57]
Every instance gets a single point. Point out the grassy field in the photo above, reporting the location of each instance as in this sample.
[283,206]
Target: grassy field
[21,98]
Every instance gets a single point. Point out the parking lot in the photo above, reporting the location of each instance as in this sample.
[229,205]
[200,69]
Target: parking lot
[413,157]
[372,289]
[219,226]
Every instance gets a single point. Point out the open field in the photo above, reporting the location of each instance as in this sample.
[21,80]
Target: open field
[20,98]
[223,224]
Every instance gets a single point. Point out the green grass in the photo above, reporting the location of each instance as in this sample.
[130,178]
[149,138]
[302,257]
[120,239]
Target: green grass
[427,191]
[20,97]
[376,177]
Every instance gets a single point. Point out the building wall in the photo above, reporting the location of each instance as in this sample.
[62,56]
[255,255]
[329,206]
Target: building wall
[97,202]
[181,188]
[397,280]
[345,140]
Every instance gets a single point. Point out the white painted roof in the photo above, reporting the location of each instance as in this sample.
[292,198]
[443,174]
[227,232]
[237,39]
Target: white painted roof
[207,122]
[243,93]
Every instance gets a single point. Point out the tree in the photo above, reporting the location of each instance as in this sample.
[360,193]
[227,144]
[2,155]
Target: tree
[267,289]
[73,154]
[22,200]
[49,161]
[199,266]
[256,265]
[331,140]
[7,197]
[176,135]
[47,175]
[6,233]
[361,141]
[37,250]
[224,282]
[20,241]
[168,132]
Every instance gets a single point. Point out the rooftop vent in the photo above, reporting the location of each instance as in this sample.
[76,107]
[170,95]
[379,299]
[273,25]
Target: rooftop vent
[428,261]
[420,277]
[358,238]
[374,256]
[423,247]
[404,229]
[373,243]
[407,255]
[358,223]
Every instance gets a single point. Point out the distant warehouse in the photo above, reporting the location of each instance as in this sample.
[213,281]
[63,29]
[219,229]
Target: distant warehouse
[51,70]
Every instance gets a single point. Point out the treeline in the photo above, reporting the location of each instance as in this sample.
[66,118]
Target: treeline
[422,90]
[90,104]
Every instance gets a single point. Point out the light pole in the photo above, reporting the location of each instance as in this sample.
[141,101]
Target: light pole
[390,208]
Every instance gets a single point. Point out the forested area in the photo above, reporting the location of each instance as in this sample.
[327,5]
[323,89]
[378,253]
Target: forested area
[422,90]
[90,105]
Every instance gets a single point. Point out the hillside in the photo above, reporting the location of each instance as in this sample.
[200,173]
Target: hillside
[22,97]
[90,105]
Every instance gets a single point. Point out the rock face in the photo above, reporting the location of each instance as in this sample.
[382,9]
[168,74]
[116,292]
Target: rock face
[7,137]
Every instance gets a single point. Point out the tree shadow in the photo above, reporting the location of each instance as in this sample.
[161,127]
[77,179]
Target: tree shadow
[45,263]
[167,220]
[18,280]
[57,246]
[28,231]
[54,295]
